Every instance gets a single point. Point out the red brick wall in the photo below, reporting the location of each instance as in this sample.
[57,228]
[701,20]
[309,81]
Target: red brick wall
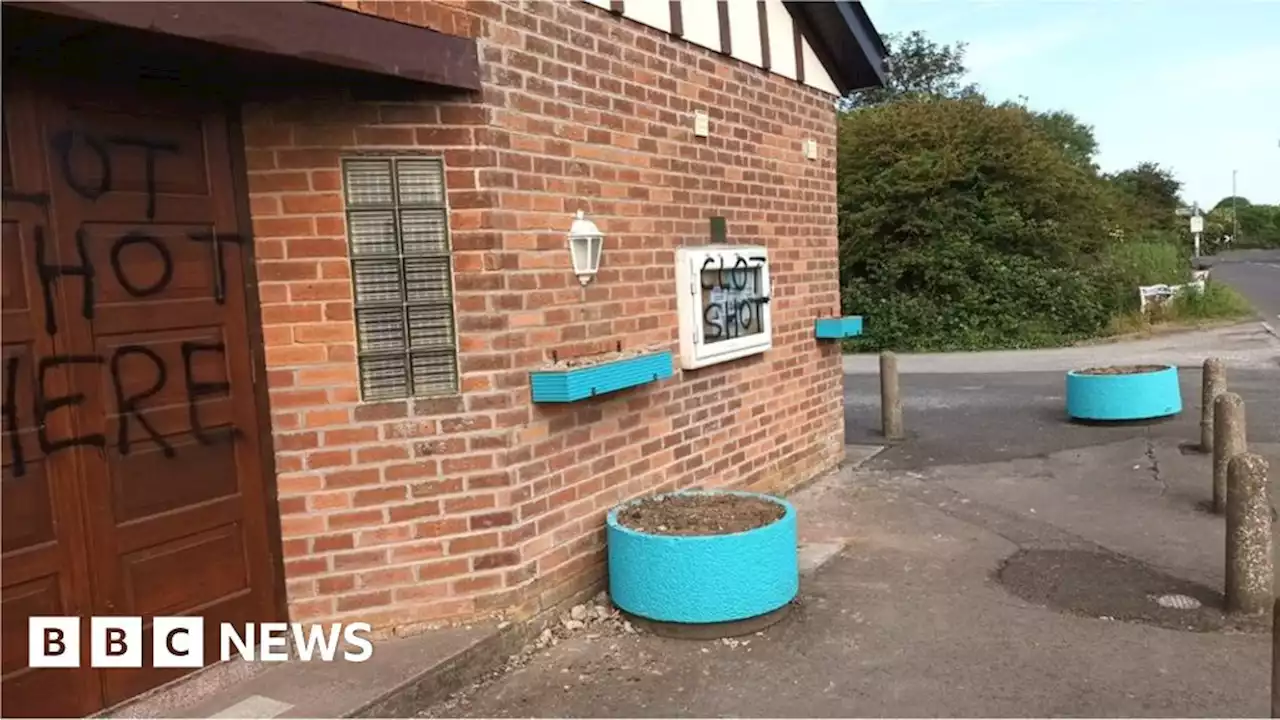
[416,511]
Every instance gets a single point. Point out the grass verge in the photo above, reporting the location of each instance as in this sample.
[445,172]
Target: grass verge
[1218,303]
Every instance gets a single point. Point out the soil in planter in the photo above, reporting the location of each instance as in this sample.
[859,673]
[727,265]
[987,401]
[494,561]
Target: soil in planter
[1122,370]
[700,514]
[600,359]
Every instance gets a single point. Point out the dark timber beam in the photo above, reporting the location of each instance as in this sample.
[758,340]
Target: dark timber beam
[315,32]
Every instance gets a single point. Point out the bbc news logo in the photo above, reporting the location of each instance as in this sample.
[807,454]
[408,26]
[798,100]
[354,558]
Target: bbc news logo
[178,642]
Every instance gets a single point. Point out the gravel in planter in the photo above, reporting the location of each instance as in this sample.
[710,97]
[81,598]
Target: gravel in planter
[693,514]
[1122,370]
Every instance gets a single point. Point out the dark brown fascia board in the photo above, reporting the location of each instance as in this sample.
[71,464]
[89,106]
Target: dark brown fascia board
[762,11]
[844,39]
[317,32]
[726,35]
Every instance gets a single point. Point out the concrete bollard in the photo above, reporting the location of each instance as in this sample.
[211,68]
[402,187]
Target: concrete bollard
[1249,569]
[890,400]
[1229,440]
[1213,383]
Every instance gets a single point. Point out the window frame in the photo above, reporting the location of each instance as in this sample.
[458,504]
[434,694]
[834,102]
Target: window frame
[353,258]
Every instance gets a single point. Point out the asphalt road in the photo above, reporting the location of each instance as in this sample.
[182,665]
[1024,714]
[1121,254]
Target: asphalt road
[1254,274]
[1012,409]
[990,417]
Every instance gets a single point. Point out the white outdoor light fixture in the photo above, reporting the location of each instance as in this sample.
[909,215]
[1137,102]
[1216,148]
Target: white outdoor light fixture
[585,243]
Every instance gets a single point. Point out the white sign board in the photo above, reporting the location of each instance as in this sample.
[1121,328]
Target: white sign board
[722,302]
[1197,223]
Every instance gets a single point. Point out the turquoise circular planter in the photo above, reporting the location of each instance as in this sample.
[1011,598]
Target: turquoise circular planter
[1137,396]
[704,578]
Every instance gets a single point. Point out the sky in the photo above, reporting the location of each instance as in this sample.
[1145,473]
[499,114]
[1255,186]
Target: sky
[1193,86]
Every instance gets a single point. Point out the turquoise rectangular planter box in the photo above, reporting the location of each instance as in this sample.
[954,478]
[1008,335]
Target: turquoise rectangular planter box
[573,384]
[838,328]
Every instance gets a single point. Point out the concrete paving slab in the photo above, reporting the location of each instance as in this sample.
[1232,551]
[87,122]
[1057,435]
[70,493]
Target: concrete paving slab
[907,621]
[1140,498]
[401,671]
[813,555]
[858,455]
[255,706]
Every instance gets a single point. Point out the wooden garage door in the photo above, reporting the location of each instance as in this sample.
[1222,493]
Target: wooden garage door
[133,482]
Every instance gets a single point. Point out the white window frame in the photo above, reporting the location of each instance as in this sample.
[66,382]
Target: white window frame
[695,352]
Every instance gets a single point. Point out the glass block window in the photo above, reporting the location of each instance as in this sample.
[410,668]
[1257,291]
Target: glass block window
[397,227]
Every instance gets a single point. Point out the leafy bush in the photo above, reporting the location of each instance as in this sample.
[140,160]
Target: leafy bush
[966,226]
[1143,263]
[1216,302]
[961,297]
[1150,263]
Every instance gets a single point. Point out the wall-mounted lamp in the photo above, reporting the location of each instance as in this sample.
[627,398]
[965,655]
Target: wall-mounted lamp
[585,243]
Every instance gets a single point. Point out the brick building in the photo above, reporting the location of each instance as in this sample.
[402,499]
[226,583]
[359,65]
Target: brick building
[276,276]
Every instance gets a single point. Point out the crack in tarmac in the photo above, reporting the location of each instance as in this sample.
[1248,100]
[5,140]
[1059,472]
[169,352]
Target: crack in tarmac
[1155,465]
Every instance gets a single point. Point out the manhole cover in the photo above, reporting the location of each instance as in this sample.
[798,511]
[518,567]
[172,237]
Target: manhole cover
[1178,602]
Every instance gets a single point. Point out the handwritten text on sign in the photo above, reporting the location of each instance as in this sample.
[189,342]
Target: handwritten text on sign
[732,298]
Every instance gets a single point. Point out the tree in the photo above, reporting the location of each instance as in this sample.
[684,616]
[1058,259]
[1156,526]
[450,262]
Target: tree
[1258,225]
[1227,202]
[916,66]
[965,224]
[1068,133]
[1146,199]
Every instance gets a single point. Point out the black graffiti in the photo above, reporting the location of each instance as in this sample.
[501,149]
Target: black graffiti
[137,237]
[44,406]
[217,240]
[135,287]
[63,143]
[10,411]
[151,147]
[129,405]
[50,274]
[731,318]
[739,272]
[197,389]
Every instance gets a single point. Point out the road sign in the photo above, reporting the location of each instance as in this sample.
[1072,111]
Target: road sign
[1197,224]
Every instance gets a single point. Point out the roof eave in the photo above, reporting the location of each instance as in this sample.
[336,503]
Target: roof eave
[845,40]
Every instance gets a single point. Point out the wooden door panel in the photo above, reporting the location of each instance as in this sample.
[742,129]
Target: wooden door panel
[118,164]
[168,388]
[159,529]
[162,579]
[155,467]
[15,294]
[41,518]
[174,499]
[40,692]
[121,684]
